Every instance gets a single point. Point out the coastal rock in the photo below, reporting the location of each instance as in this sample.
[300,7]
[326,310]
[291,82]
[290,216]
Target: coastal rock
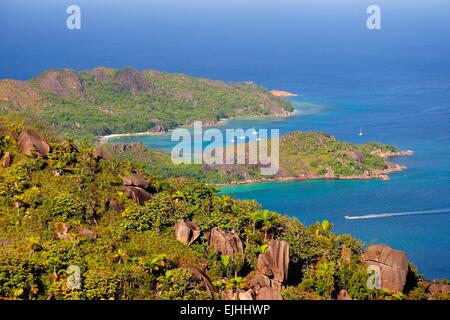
[186,231]
[136,180]
[30,141]
[388,154]
[275,261]
[225,243]
[275,108]
[393,265]
[6,160]
[139,195]
[158,129]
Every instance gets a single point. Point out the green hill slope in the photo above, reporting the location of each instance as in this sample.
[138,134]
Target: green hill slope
[104,101]
[303,155]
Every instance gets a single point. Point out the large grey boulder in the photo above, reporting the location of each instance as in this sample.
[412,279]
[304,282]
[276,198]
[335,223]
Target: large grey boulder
[6,160]
[225,243]
[186,231]
[393,266]
[268,293]
[274,263]
[136,180]
[30,142]
[271,271]
[139,195]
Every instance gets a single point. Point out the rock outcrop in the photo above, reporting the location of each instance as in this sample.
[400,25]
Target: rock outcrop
[62,83]
[393,266]
[225,243]
[275,261]
[64,231]
[135,185]
[30,142]
[271,271]
[130,79]
[157,129]
[389,154]
[186,232]
[135,180]
[116,205]
[139,195]
[6,160]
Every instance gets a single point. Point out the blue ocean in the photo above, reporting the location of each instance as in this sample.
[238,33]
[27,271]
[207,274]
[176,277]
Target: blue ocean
[394,83]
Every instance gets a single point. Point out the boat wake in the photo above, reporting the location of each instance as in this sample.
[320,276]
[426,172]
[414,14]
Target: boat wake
[398,214]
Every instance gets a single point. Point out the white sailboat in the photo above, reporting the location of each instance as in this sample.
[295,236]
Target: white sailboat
[360,132]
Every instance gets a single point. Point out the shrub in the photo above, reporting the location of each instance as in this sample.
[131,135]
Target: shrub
[65,207]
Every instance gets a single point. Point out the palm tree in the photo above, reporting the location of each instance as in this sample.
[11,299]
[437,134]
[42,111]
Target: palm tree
[265,218]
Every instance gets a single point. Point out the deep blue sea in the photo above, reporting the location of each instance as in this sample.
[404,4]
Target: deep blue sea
[393,82]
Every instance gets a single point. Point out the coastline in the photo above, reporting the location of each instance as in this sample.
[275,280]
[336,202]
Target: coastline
[378,174]
[104,139]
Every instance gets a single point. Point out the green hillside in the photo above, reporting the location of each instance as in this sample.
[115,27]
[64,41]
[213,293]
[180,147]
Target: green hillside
[104,101]
[302,155]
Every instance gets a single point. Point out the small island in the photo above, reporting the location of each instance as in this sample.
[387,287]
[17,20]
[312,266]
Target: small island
[303,156]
